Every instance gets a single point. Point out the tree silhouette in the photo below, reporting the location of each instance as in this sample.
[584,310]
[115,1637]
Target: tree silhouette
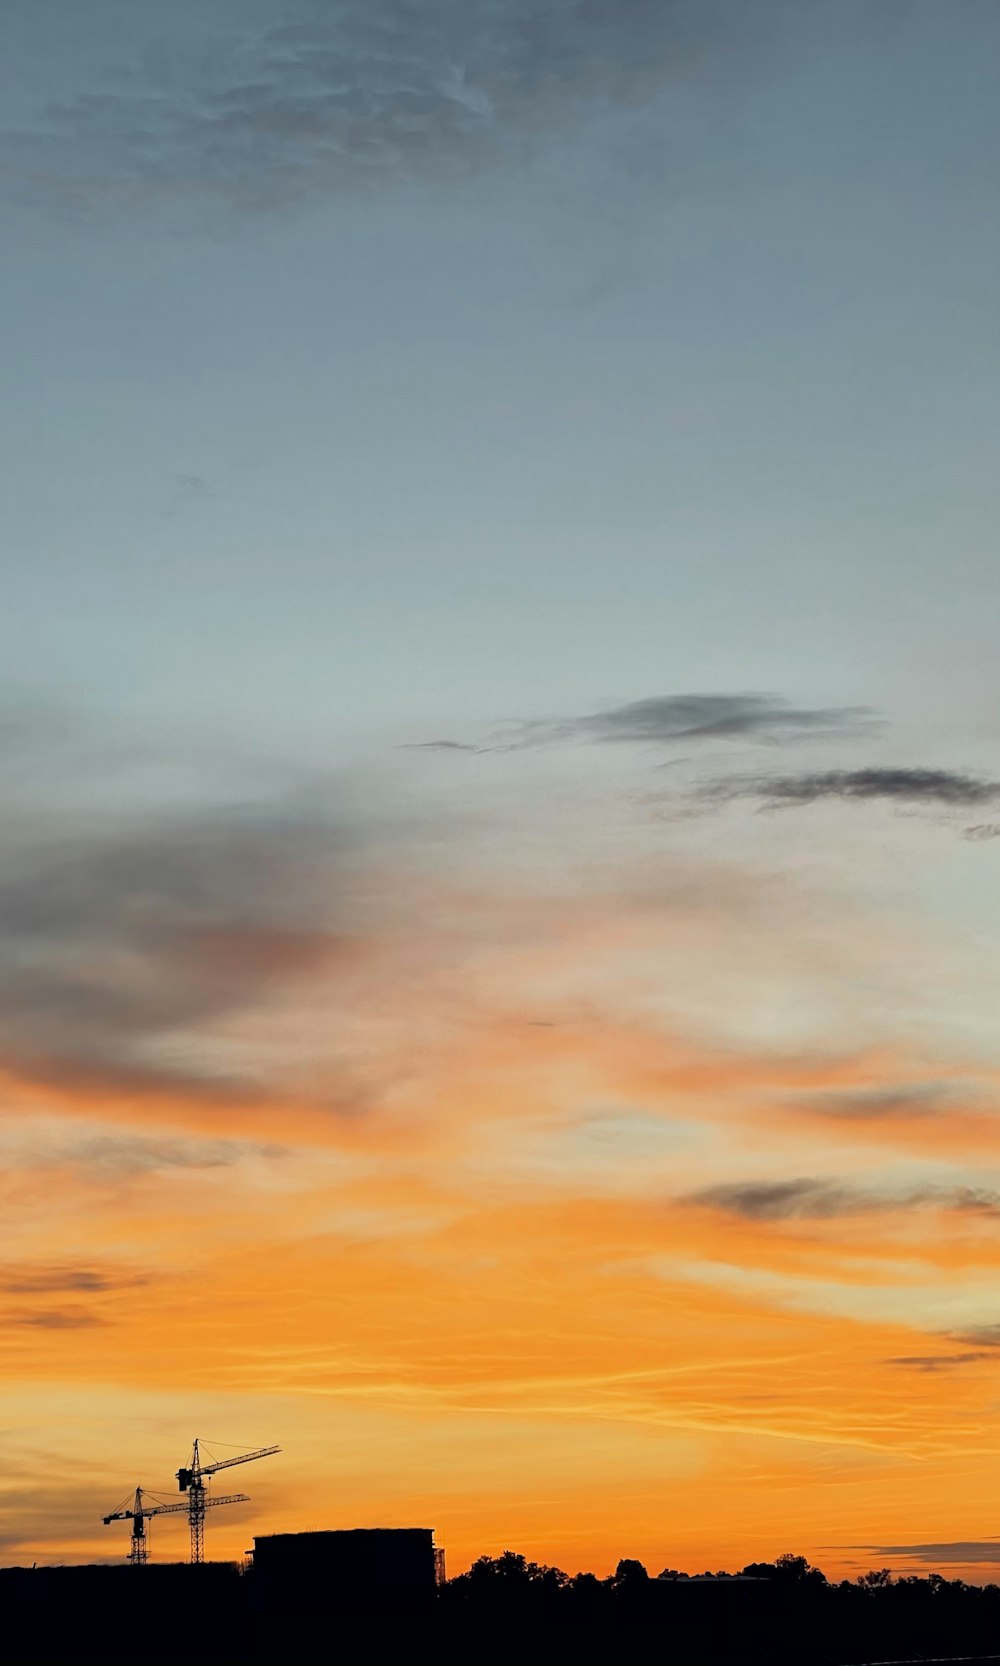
[876,1579]
[630,1573]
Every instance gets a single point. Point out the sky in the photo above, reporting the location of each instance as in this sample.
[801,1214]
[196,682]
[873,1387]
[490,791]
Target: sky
[500,791]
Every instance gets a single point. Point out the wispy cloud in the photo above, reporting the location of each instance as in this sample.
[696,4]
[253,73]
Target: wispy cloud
[982,1336]
[805,1199]
[671,718]
[444,746]
[881,1103]
[351,95]
[940,1362]
[124,1156]
[61,1319]
[56,1279]
[118,944]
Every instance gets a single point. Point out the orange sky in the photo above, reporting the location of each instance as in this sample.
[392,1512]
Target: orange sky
[506,1242]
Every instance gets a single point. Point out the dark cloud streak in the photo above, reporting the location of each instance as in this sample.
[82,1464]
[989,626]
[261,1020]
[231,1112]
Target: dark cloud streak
[443,746]
[980,1336]
[944,787]
[962,1551]
[55,1280]
[707,717]
[66,1319]
[931,1363]
[808,1199]
[879,1104]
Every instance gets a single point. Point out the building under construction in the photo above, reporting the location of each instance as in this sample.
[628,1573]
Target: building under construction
[368,1592]
[352,1564]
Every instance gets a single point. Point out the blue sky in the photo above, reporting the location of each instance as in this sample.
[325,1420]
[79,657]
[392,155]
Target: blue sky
[692,386]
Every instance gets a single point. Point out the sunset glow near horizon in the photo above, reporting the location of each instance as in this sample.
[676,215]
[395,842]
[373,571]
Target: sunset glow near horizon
[501,791]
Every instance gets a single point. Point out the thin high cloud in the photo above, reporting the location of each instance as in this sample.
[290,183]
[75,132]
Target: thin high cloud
[58,1279]
[945,787]
[670,718]
[806,1199]
[61,1319]
[444,746]
[371,90]
[922,1099]
[123,1157]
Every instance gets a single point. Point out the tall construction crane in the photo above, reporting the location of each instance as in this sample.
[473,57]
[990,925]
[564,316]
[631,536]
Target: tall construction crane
[138,1512]
[191,1480]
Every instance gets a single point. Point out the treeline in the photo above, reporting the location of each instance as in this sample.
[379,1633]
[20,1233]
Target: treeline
[786,1612]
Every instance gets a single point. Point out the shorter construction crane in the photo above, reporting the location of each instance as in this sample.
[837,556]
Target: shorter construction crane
[138,1512]
[191,1479]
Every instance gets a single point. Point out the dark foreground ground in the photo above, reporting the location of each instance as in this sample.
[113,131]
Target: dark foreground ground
[168,1615]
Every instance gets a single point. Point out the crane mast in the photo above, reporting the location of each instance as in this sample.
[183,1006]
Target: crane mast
[138,1512]
[191,1479]
[137,1516]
